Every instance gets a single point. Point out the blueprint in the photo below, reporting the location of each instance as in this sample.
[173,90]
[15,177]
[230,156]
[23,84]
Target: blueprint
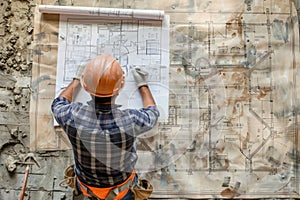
[132,42]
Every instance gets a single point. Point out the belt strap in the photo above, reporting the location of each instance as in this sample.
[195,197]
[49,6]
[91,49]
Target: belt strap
[88,191]
[113,193]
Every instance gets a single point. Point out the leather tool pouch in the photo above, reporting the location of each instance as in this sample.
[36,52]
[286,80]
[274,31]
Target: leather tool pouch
[142,190]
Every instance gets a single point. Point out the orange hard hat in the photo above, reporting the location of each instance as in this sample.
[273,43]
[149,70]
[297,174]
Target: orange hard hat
[103,76]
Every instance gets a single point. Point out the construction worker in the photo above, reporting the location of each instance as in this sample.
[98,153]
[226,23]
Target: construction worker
[103,136]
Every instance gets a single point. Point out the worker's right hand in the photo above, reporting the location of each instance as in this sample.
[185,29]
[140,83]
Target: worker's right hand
[140,76]
[79,71]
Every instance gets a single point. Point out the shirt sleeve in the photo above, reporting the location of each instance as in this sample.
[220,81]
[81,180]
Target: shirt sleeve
[61,109]
[145,119]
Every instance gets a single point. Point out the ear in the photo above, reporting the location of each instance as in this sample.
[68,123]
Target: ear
[123,81]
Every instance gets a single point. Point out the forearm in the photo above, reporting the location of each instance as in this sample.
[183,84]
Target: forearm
[68,92]
[147,97]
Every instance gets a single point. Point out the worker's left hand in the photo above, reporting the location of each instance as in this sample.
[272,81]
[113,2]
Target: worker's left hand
[79,71]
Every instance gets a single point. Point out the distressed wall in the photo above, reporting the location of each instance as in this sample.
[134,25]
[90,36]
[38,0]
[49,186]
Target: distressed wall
[16,49]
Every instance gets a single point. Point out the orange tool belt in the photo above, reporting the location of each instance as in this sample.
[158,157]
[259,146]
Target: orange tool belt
[115,192]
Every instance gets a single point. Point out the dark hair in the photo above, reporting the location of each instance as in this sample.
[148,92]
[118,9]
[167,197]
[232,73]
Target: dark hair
[103,100]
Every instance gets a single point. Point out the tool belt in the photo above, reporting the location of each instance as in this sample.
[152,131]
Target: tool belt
[141,190]
[110,193]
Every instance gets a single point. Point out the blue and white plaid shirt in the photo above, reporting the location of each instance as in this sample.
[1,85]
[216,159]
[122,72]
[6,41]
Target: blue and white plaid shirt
[103,138]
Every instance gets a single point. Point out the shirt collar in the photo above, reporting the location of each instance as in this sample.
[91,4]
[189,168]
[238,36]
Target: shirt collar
[103,107]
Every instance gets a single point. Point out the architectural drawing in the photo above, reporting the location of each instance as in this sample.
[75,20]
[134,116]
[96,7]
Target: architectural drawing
[232,130]
[228,81]
[132,42]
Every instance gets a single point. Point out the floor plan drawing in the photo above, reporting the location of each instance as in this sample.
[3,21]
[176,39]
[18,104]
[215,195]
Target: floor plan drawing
[225,76]
[132,42]
[231,130]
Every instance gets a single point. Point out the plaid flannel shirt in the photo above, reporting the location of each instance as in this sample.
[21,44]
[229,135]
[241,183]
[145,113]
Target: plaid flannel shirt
[103,138]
